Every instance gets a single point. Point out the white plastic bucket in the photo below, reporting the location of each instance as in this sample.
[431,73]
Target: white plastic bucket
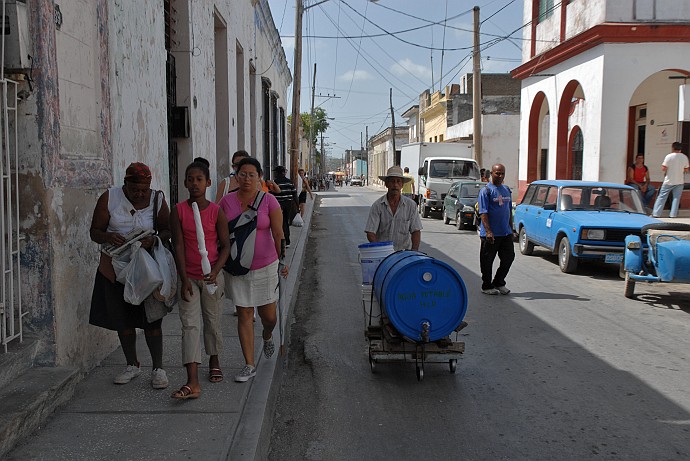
[372,311]
[370,255]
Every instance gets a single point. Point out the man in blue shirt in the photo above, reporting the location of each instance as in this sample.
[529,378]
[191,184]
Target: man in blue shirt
[496,232]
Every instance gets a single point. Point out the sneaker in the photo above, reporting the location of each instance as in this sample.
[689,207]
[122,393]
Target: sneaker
[491,291]
[503,290]
[128,374]
[247,372]
[159,379]
[269,348]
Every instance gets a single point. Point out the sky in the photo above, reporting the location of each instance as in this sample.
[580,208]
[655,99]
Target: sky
[362,49]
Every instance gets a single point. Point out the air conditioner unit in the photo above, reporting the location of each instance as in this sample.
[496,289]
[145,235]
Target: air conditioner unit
[16,35]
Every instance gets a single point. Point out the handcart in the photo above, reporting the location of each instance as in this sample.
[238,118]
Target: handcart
[388,343]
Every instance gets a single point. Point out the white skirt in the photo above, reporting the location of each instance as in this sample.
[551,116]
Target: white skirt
[256,288]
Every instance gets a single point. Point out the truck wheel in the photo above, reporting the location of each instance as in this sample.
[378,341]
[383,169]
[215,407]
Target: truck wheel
[446,219]
[526,247]
[629,286]
[566,261]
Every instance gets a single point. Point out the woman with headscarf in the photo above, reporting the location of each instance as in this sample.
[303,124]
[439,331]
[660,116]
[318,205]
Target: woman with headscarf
[120,210]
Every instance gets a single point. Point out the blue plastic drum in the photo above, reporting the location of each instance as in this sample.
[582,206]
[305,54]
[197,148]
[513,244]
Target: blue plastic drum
[418,293]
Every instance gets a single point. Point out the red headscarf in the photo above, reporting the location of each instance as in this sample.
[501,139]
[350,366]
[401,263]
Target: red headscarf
[138,172]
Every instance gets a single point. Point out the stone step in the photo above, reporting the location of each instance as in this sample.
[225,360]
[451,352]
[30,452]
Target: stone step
[19,358]
[27,401]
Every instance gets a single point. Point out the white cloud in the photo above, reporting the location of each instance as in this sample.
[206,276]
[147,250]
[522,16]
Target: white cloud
[356,75]
[404,67]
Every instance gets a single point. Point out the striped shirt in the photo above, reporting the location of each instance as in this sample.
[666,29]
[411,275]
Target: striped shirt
[287,191]
[396,228]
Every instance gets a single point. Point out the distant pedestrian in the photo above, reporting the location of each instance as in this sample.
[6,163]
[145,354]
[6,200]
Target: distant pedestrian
[393,217]
[196,302]
[305,188]
[496,232]
[229,183]
[675,165]
[638,177]
[120,210]
[408,187]
[287,198]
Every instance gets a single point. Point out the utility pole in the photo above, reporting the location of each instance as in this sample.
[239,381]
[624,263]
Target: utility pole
[311,119]
[477,92]
[296,84]
[323,156]
[396,160]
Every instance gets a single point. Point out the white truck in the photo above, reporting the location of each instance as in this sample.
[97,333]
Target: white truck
[434,167]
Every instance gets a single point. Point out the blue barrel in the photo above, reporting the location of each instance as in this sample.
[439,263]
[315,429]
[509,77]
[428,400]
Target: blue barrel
[424,298]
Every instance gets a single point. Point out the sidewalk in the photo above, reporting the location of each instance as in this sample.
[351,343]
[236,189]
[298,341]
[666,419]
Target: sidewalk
[105,421]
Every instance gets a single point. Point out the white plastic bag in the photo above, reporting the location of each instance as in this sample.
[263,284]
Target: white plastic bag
[166,264]
[297,221]
[141,276]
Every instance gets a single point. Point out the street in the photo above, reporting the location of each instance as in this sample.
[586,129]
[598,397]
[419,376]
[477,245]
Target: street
[565,367]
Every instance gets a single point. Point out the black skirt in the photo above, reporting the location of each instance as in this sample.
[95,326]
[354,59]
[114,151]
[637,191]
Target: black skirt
[110,310]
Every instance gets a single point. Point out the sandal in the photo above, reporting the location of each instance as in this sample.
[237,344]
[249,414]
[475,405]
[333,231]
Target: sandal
[215,375]
[185,393]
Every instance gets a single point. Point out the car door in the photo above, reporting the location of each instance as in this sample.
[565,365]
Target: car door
[530,206]
[535,230]
[548,213]
[451,201]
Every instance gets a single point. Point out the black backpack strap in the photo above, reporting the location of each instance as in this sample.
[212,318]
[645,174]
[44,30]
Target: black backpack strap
[155,210]
[257,201]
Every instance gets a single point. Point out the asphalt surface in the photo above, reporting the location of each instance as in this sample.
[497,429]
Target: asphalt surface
[565,367]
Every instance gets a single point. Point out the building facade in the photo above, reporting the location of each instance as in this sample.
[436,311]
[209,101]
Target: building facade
[115,82]
[381,153]
[601,82]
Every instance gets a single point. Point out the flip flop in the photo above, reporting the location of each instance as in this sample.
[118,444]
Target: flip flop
[215,375]
[185,393]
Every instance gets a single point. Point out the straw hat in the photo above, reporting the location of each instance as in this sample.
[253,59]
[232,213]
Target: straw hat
[395,172]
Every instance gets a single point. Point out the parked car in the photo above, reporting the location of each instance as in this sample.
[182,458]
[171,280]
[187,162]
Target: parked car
[458,204]
[356,182]
[579,220]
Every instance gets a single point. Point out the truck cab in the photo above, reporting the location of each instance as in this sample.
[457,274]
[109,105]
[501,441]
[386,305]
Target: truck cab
[435,177]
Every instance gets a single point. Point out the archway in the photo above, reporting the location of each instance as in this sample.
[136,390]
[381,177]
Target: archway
[537,155]
[575,150]
[570,116]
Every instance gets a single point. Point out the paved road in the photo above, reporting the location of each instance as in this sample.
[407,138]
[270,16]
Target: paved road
[564,367]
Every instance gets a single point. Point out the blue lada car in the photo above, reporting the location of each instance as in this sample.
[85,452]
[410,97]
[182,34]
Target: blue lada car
[579,220]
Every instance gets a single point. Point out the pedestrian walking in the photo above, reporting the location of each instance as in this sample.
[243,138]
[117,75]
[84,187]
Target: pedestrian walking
[302,193]
[675,165]
[259,286]
[408,189]
[196,300]
[229,183]
[496,232]
[394,217]
[287,198]
[119,211]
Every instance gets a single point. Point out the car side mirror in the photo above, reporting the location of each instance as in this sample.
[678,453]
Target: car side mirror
[421,171]
[453,196]
[550,207]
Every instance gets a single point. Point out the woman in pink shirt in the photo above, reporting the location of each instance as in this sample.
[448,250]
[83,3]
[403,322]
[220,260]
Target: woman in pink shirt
[259,287]
[196,300]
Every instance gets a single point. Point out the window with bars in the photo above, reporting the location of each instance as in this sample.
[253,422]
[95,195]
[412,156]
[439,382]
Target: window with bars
[545,9]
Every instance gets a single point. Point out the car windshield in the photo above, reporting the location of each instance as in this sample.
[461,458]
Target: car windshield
[599,198]
[470,190]
[453,169]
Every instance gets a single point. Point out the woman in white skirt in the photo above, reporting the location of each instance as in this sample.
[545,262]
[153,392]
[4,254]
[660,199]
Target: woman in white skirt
[259,287]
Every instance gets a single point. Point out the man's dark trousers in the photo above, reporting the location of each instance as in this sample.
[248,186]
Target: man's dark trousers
[286,207]
[505,249]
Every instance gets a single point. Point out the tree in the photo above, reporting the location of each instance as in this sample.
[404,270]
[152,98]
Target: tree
[314,129]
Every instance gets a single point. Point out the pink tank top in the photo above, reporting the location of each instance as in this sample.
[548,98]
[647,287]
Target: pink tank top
[209,217]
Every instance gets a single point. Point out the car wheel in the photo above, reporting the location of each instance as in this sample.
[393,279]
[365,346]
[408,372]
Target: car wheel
[566,261]
[458,222]
[629,286]
[526,247]
[446,219]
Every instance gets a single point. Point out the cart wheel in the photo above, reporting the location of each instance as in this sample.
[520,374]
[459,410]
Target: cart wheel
[453,365]
[420,373]
[372,364]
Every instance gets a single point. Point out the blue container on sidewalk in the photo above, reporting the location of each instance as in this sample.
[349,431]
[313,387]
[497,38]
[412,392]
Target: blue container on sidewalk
[424,298]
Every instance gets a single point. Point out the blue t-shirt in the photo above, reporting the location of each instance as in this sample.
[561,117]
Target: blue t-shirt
[497,202]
